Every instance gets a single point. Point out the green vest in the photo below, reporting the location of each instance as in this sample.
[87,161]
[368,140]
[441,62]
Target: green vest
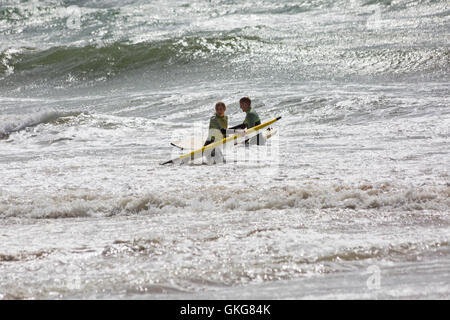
[215,124]
[252,119]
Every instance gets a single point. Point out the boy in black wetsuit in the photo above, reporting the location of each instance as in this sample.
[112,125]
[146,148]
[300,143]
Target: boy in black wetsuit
[251,120]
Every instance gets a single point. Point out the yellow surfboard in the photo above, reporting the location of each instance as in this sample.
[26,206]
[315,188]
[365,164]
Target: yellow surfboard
[196,142]
[233,138]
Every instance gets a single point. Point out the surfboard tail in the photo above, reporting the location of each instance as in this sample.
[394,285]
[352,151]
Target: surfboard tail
[167,162]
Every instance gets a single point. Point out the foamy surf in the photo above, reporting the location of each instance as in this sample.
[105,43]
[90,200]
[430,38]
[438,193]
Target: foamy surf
[312,196]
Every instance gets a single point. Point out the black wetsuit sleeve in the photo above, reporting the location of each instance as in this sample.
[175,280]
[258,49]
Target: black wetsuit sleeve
[239,126]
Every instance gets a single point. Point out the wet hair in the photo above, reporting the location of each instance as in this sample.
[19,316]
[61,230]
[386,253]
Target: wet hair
[246,100]
[221,104]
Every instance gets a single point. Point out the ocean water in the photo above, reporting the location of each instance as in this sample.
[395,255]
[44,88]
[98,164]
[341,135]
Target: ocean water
[349,200]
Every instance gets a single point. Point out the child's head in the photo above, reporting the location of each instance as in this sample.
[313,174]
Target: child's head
[245,103]
[220,108]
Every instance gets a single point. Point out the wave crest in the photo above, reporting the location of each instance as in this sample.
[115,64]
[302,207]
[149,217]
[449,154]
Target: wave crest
[14,123]
[94,62]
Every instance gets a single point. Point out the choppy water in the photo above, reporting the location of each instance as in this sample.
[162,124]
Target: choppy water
[351,201]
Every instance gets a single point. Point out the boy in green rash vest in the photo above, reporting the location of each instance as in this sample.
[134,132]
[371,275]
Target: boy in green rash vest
[251,120]
[218,125]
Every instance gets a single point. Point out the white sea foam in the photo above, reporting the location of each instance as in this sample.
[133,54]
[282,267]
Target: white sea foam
[378,198]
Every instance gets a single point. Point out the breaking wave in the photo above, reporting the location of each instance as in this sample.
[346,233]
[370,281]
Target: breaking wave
[104,62]
[93,61]
[310,197]
[15,123]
